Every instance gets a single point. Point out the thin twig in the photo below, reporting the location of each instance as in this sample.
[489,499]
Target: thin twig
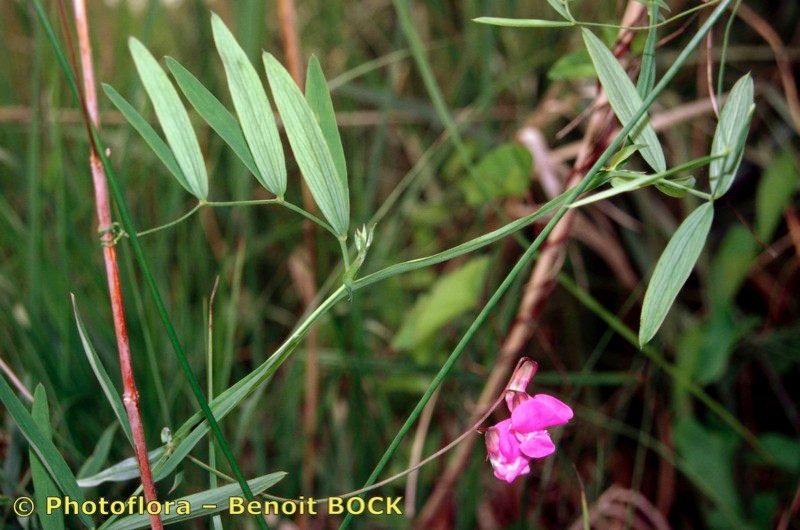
[130,396]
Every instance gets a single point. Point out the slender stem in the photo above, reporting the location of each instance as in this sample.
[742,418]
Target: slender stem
[532,249]
[172,223]
[281,202]
[310,216]
[252,202]
[130,395]
[225,204]
[675,18]
[216,524]
[345,254]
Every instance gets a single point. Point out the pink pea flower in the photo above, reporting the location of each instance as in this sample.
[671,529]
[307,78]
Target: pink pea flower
[513,443]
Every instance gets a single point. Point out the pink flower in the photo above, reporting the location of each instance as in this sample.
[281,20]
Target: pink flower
[513,443]
[504,452]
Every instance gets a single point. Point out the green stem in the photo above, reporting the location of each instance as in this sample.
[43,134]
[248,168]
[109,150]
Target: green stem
[675,18]
[174,222]
[226,204]
[531,250]
[310,216]
[345,254]
[279,201]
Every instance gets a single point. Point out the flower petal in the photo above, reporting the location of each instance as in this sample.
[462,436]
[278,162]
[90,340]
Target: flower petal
[509,471]
[536,444]
[508,446]
[539,413]
[504,452]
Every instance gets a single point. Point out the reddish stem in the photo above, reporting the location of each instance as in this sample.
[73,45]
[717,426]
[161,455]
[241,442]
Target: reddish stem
[130,396]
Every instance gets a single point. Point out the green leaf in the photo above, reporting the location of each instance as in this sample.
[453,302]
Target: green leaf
[503,172]
[452,295]
[173,119]
[197,502]
[731,133]
[624,99]
[43,485]
[709,459]
[779,183]
[731,265]
[95,462]
[122,471]
[784,450]
[253,108]
[49,456]
[575,65]
[309,146]
[622,156]
[109,390]
[523,22]
[214,112]
[148,134]
[319,99]
[560,8]
[673,269]
[717,340]
[676,190]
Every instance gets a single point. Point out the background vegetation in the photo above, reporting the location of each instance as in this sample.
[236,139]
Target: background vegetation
[642,450]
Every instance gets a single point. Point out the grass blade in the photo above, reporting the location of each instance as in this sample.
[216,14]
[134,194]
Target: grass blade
[624,99]
[173,119]
[49,456]
[253,108]
[43,485]
[109,390]
[148,134]
[310,147]
[734,122]
[647,71]
[523,22]
[673,269]
[214,112]
[218,497]
[95,462]
[319,99]
[122,471]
